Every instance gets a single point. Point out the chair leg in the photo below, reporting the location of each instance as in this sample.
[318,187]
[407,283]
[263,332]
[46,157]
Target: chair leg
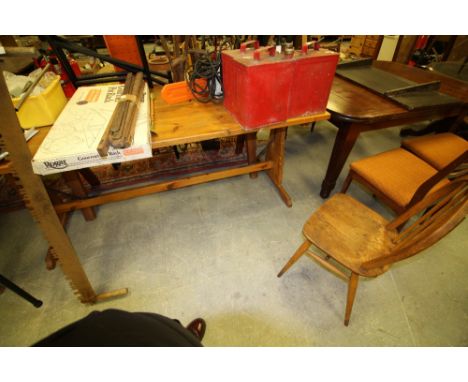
[300,251]
[347,182]
[352,286]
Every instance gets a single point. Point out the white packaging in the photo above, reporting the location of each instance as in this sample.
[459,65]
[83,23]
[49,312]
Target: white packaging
[73,139]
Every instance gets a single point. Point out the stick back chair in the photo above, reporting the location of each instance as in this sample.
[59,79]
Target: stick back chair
[350,235]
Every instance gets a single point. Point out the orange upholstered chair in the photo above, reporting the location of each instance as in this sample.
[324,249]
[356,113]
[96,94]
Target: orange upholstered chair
[354,240]
[438,150]
[398,177]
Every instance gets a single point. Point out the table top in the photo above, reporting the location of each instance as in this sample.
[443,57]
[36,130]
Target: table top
[354,103]
[192,121]
[186,122]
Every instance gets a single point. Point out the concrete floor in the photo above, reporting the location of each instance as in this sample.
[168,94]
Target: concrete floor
[214,250]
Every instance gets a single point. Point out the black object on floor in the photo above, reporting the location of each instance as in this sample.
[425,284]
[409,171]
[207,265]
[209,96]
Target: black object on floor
[114,327]
[20,292]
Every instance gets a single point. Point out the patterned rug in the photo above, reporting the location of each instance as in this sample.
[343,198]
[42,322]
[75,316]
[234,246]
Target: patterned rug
[166,163]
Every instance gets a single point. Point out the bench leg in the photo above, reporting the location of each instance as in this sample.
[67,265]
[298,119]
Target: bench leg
[75,183]
[251,142]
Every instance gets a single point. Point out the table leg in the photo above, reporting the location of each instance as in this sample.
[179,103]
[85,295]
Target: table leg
[74,181]
[344,142]
[90,177]
[440,126]
[240,140]
[251,143]
[275,153]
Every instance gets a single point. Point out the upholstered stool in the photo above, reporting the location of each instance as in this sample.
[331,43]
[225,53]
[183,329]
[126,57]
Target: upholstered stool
[394,177]
[438,150]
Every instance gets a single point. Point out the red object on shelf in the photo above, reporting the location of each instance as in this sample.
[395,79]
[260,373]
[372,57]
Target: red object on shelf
[57,68]
[124,48]
[261,88]
[420,44]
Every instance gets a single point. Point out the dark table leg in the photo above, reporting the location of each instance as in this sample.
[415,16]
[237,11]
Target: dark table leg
[344,142]
[251,143]
[434,127]
[240,140]
[90,177]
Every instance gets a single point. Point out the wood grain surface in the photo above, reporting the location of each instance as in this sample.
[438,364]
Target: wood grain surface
[192,121]
[357,104]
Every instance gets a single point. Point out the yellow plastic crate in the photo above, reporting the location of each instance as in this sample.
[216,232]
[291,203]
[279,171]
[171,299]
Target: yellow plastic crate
[43,109]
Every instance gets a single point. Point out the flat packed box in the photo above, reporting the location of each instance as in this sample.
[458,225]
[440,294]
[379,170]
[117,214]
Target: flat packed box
[73,139]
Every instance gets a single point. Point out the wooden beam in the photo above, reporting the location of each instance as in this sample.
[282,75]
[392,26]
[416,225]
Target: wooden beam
[160,187]
[327,265]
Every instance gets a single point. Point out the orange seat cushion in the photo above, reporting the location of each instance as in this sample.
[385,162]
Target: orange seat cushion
[396,173]
[437,150]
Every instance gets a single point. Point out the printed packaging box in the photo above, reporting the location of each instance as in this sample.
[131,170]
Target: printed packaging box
[73,139]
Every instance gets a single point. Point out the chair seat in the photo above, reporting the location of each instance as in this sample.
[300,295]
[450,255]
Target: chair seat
[397,174]
[438,150]
[349,232]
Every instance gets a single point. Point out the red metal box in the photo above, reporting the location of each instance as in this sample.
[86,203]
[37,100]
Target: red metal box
[263,87]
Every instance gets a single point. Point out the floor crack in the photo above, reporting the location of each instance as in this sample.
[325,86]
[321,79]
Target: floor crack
[413,339]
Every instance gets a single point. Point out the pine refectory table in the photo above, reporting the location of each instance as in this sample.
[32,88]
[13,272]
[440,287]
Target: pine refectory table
[190,122]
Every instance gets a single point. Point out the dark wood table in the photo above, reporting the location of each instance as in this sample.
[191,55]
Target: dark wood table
[355,109]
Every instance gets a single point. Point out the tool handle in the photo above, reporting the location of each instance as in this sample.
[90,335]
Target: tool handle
[257,52]
[305,47]
[244,45]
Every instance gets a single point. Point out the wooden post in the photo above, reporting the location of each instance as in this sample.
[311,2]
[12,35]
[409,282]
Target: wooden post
[251,143]
[275,153]
[74,182]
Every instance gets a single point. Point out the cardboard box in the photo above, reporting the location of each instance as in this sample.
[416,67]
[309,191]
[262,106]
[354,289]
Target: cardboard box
[73,139]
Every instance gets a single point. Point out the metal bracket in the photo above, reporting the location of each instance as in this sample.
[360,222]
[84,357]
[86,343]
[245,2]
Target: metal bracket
[58,44]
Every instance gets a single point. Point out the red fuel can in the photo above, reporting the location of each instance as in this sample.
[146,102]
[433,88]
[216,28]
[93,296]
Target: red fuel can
[262,86]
